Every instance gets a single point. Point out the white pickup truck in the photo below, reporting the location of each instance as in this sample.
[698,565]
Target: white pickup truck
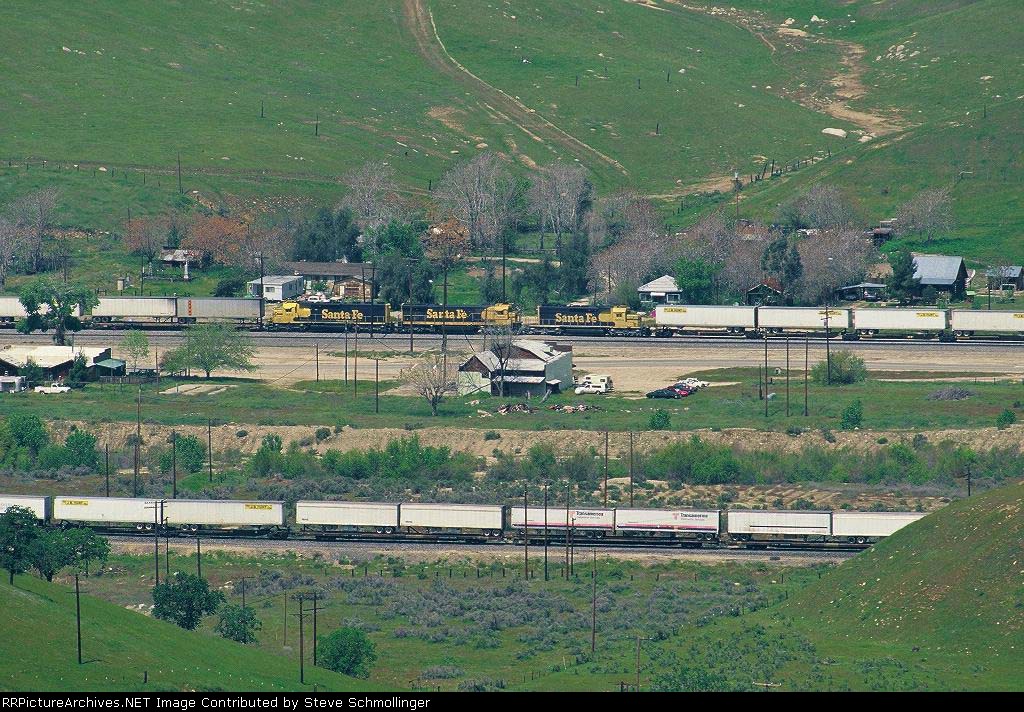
[594,384]
[53,388]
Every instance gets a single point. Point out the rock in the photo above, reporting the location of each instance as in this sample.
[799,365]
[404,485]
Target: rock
[839,133]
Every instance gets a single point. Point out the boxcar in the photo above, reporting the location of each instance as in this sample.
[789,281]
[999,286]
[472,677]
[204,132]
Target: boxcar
[687,523]
[488,520]
[746,525]
[40,506]
[864,527]
[379,517]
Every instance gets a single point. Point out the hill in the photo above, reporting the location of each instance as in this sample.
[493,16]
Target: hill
[37,650]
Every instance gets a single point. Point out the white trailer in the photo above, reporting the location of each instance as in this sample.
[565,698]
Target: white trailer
[803,319]
[746,524]
[600,521]
[193,514]
[477,518]
[356,516]
[227,309]
[40,506]
[135,309]
[104,510]
[11,310]
[967,322]
[677,318]
[697,523]
[864,527]
[871,321]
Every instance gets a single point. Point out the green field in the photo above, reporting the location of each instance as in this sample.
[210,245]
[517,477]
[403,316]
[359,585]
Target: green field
[121,647]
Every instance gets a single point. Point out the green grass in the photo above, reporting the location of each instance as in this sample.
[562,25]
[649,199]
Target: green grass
[37,650]
[887,405]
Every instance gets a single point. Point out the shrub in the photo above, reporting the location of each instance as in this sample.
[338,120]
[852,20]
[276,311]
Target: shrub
[191,455]
[241,433]
[794,430]
[950,393]
[828,435]
[348,651]
[882,440]
[81,450]
[1006,419]
[322,434]
[28,431]
[660,420]
[230,287]
[492,435]
[852,416]
[847,368]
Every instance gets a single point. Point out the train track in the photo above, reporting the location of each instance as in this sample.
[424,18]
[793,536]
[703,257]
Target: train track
[392,545]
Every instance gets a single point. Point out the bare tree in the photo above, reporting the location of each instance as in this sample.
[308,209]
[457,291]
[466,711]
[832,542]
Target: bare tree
[621,213]
[434,378]
[445,245]
[10,238]
[559,196]
[34,212]
[500,341]
[145,237]
[927,214]
[481,194]
[823,207]
[833,259]
[372,195]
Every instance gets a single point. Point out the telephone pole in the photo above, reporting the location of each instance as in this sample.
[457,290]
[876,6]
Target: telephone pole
[630,468]
[606,469]
[545,531]
[78,617]
[593,605]
[526,535]
[209,445]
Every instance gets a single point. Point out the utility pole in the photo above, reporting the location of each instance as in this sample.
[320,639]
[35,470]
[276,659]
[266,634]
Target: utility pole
[243,579]
[106,460]
[807,358]
[209,445]
[526,535]
[346,356]
[766,375]
[968,479]
[315,639]
[355,364]
[787,376]
[638,639]
[376,385]
[199,558]
[630,468]
[593,605]
[179,163]
[262,293]
[317,357]
[606,469]
[567,486]
[410,264]
[545,531]
[302,640]
[78,617]
[828,349]
[138,442]
[174,464]
[158,511]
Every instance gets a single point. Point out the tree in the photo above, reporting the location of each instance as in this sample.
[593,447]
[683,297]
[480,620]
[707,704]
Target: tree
[216,237]
[660,420]
[79,374]
[372,194]
[185,600]
[145,237]
[823,207]
[781,260]
[696,279]
[434,378]
[482,195]
[327,237]
[902,284]
[32,372]
[560,196]
[135,347]
[81,449]
[445,245]
[52,305]
[348,651]
[10,244]
[189,452]
[534,283]
[238,624]
[852,416]
[49,552]
[1006,419]
[847,368]
[927,214]
[34,214]
[209,347]
[18,529]
[28,431]
[832,259]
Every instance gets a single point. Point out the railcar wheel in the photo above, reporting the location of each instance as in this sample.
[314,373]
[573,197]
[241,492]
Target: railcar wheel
[862,540]
[389,530]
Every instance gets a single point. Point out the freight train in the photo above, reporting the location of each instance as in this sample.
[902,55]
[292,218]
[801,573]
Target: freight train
[665,321]
[468,522]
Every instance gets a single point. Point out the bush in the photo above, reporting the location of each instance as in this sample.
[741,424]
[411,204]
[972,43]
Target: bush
[660,420]
[348,651]
[1006,419]
[238,624]
[852,416]
[191,455]
[81,450]
[492,435]
[828,435]
[847,368]
[322,434]
[28,431]
[230,287]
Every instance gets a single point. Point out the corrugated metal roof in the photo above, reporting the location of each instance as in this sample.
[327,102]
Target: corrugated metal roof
[276,280]
[48,356]
[937,269]
[1009,272]
[330,269]
[665,283]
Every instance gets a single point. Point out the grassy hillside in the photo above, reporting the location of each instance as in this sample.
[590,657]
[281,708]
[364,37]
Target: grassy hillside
[37,650]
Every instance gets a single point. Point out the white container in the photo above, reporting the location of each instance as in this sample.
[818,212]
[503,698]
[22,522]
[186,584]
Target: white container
[135,308]
[102,510]
[803,318]
[900,319]
[40,506]
[11,309]
[694,521]
[871,524]
[560,518]
[706,317]
[223,513]
[346,514]
[451,516]
[758,522]
[968,321]
[218,309]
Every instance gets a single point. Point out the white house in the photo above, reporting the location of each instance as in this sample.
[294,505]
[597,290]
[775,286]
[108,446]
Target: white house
[277,287]
[530,368]
[662,290]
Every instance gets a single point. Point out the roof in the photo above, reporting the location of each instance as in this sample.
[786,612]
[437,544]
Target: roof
[1007,272]
[864,285]
[111,363]
[276,279]
[49,356]
[328,269]
[937,269]
[665,283]
[544,352]
[180,255]
[769,282]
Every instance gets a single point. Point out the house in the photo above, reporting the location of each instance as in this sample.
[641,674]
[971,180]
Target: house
[355,288]
[662,290]
[868,291]
[330,273]
[1007,277]
[941,272]
[55,361]
[765,293]
[277,288]
[529,368]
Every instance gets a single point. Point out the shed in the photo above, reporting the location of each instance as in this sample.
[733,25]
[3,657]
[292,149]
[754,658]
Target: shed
[942,272]
[663,290]
[330,272]
[1006,277]
[528,368]
[870,291]
[12,384]
[111,367]
[767,292]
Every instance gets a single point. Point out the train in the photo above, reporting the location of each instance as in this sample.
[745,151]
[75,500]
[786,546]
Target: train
[664,321]
[467,522]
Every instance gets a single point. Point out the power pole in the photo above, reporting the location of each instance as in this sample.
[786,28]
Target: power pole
[302,640]
[199,558]
[158,510]
[106,460]
[243,579]
[316,346]
[807,358]
[787,376]
[355,364]
[606,469]
[138,442]
[545,531]
[968,479]
[630,468]
[376,385]
[174,464]
[526,535]
[828,349]
[209,445]
[315,639]
[567,486]
[78,617]
[593,605]
[766,375]
[179,163]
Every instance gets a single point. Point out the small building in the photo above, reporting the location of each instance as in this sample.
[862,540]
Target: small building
[767,292]
[529,368]
[1006,277]
[662,290]
[868,291]
[880,235]
[941,272]
[12,384]
[277,287]
[355,288]
[55,361]
[111,367]
[329,273]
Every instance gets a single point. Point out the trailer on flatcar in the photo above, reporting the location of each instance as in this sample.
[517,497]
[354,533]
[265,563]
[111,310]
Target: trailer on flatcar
[703,525]
[326,517]
[480,519]
[39,506]
[587,522]
[750,525]
[688,317]
[780,319]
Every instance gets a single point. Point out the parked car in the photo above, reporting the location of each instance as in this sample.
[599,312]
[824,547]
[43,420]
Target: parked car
[693,383]
[667,393]
[53,388]
[683,391]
